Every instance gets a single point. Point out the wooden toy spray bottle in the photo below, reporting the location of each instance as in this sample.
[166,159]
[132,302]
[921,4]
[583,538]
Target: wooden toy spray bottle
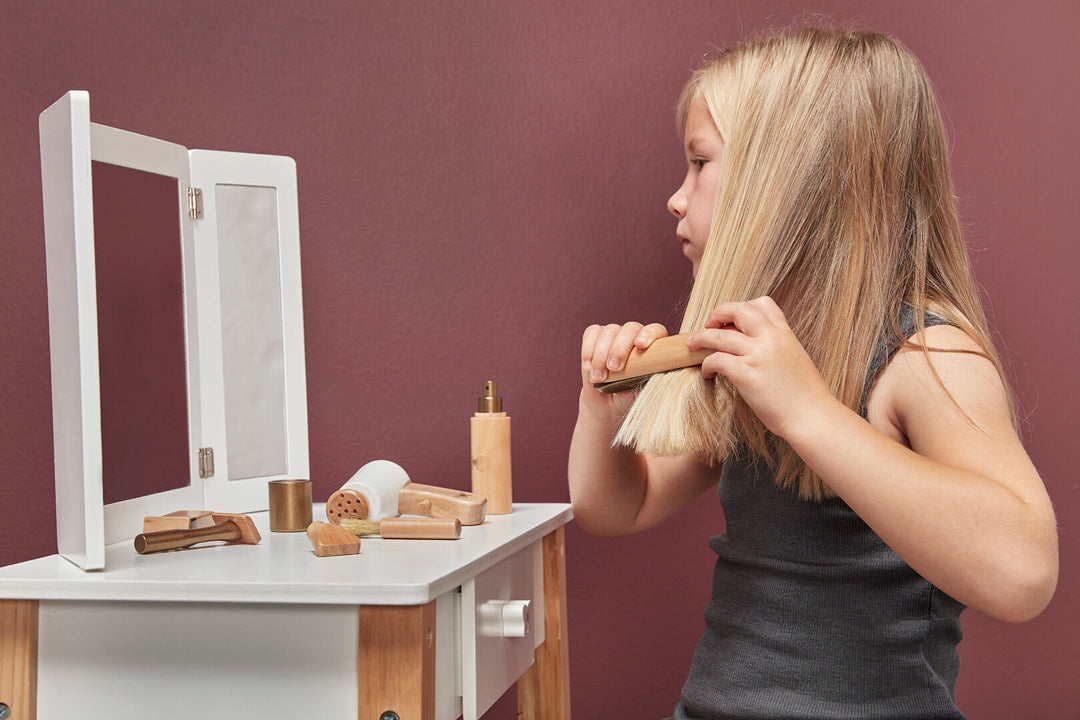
[491,451]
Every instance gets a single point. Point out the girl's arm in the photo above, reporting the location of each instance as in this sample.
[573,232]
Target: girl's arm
[956,497]
[615,491]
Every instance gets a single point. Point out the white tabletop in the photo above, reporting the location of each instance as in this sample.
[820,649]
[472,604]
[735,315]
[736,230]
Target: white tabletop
[283,568]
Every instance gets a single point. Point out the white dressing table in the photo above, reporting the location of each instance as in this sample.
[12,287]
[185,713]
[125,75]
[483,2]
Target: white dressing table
[406,630]
[270,630]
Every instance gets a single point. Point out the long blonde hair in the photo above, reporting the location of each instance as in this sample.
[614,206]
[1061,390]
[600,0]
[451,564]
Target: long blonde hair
[837,201]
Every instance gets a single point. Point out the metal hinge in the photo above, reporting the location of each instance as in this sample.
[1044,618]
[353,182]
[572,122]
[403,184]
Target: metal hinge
[206,462]
[194,202]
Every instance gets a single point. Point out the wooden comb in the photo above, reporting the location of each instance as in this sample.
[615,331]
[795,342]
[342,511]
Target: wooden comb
[666,354]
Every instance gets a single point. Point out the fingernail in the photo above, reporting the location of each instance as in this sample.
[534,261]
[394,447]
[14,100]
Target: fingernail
[597,375]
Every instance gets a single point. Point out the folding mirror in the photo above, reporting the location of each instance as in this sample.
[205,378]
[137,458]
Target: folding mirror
[175,324]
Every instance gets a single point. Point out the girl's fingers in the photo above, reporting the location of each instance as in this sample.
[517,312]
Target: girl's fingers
[719,363]
[729,344]
[622,345]
[606,348]
[649,334]
[726,339]
[770,309]
[743,316]
[588,343]
[750,317]
[601,349]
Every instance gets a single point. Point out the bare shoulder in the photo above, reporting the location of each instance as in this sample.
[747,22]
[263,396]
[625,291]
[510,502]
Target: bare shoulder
[947,402]
[952,371]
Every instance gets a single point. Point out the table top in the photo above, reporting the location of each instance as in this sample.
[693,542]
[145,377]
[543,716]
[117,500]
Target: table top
[284,569]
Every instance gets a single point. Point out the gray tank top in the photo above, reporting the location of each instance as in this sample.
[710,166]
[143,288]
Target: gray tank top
[813,615]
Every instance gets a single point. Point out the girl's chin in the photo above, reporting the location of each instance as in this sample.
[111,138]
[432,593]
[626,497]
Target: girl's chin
[693,257]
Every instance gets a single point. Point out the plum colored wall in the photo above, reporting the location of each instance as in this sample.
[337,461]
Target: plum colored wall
[478,182]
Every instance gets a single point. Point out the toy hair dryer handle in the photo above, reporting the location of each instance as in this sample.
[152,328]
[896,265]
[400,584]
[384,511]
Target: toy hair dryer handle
[437,502]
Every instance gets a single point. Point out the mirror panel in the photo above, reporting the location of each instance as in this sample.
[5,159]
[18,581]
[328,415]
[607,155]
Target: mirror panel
[253,350]
[141,346]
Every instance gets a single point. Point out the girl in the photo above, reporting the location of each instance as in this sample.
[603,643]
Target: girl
[853,410]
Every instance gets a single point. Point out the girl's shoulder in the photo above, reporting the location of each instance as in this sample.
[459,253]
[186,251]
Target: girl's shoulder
[939,379]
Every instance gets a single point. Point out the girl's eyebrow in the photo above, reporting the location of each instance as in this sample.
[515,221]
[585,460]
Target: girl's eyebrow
[694,143]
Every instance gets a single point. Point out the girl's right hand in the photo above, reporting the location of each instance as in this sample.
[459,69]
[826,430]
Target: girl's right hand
[605,348]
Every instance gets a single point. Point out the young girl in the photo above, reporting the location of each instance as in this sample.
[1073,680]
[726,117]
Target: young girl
[853,410]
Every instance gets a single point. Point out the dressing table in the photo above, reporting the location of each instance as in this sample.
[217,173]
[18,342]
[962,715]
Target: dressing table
[270,630]
[406,629]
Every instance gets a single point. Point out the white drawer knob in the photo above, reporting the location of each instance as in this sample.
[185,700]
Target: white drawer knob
[505,618]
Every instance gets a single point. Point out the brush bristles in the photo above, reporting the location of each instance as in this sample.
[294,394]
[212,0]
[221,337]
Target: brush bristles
[358,526]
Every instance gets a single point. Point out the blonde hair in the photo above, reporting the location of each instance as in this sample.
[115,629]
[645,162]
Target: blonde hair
[837,201]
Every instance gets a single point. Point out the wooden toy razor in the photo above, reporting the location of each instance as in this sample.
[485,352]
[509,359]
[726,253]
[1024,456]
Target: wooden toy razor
[179,520]
[382,489]
[665,354]
[233,528]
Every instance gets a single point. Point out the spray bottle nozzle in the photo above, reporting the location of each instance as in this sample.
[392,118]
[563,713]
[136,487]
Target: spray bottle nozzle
[489,401]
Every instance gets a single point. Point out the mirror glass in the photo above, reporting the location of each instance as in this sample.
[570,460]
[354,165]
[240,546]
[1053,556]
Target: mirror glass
[253,354]
[141,350]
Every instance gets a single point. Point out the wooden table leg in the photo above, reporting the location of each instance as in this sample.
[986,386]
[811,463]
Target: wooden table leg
[397,662]
[544,689]
[18,658]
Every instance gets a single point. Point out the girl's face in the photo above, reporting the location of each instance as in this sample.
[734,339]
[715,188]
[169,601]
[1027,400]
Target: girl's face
[695,201]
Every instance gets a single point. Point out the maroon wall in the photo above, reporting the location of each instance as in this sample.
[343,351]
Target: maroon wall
[480,181]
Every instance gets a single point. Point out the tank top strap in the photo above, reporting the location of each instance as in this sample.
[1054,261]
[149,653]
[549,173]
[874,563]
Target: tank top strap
[887,346]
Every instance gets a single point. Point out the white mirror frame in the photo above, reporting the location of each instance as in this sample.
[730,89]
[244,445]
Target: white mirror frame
[69,144]
[209,169]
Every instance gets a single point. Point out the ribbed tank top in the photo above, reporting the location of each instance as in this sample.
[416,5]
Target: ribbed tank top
[813,616]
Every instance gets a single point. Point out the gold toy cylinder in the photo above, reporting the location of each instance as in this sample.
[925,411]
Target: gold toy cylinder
[290,505]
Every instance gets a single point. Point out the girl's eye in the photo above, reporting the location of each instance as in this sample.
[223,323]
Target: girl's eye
[698,163]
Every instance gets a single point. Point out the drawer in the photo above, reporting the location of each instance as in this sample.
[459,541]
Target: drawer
[501,627]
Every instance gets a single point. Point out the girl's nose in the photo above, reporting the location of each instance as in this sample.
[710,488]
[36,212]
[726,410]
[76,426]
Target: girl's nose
[676,204]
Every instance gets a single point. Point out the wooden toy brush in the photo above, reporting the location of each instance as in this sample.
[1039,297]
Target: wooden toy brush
[664,355]
[406,528]
[330,540]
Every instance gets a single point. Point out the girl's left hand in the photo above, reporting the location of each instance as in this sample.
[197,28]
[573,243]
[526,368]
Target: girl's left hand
[760,355]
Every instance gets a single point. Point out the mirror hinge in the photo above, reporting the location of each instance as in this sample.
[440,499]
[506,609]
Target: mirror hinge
[194,202]
[206,462]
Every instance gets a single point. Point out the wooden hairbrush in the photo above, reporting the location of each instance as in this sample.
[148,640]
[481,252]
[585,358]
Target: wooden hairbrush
[665,354]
